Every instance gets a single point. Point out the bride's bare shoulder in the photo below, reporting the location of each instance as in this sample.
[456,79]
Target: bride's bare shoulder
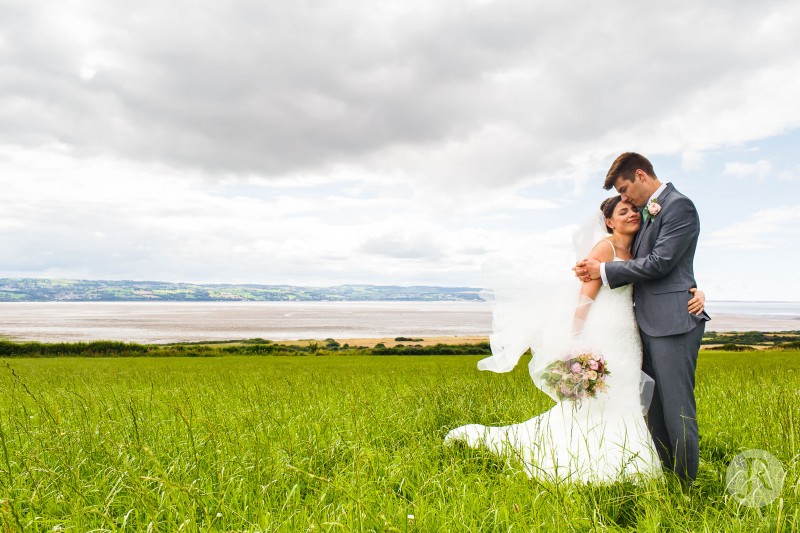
[603,251]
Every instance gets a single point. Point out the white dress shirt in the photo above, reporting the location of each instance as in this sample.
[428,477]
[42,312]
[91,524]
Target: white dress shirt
[653,197]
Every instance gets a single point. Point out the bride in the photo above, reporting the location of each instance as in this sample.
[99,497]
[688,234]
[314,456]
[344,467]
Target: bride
[597,439]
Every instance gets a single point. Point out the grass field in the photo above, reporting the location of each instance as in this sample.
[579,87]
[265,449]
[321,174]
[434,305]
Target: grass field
[349,443]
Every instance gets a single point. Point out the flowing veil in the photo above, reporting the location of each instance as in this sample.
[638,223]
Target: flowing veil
[534,297]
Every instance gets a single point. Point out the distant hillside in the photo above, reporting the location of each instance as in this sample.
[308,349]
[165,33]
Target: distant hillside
[60,290]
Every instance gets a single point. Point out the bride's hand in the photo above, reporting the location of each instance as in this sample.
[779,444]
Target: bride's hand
[587,270]
[698,302]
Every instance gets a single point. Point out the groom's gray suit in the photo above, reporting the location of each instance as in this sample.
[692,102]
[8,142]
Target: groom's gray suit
[662,273]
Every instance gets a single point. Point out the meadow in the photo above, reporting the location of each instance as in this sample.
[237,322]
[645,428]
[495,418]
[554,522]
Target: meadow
[350,443]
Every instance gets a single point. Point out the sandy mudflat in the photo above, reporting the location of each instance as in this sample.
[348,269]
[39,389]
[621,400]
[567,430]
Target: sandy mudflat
[166,322]
[725,322]
[356,323]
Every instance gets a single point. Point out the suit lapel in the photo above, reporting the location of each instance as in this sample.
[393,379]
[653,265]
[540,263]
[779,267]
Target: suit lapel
[640,237]
[637,242]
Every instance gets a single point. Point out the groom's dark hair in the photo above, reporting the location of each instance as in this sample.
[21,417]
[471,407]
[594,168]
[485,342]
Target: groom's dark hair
[625,167]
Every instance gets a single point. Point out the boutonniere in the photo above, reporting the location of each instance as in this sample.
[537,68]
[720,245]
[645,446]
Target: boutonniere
[652,209]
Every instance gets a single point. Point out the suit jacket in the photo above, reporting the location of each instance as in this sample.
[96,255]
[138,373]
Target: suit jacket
[662,270]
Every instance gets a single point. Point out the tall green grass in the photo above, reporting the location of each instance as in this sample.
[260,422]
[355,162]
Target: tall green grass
[348,444]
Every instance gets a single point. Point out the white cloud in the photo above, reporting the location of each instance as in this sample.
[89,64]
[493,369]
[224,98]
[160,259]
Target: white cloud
[768,229]
[152,222]
[691,161]
[790,175]
[362,142]
[759,170]
[403,246]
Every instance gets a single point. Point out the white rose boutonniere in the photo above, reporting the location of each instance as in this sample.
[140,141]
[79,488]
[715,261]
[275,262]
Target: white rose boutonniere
[652,209]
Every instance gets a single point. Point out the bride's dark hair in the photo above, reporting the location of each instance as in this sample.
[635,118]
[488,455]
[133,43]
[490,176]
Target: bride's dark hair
[608,206]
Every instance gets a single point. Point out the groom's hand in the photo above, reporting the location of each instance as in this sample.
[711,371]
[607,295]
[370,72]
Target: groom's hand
[587,270]
[698,302]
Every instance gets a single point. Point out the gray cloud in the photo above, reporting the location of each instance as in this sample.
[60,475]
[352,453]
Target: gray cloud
[483,92]
[402,247]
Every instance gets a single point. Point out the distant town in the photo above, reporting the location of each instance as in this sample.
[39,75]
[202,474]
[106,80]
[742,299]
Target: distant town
[72,290]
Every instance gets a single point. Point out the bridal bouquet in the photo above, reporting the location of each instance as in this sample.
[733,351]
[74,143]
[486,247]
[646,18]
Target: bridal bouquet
[578,377]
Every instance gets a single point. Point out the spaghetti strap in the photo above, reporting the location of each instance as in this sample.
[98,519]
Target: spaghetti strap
[613,248]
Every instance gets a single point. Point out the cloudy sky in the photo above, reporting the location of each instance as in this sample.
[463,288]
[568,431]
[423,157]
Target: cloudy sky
[311,142]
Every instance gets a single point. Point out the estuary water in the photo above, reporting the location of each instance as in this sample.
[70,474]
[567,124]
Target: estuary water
[164,322]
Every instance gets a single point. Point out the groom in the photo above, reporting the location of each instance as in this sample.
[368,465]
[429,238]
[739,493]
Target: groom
[662,273]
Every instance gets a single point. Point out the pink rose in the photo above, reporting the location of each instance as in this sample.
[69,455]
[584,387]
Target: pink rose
[654,208]
[576,368]
[594,365]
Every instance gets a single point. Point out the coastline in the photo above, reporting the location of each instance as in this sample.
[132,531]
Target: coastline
[357,324]
[724,323]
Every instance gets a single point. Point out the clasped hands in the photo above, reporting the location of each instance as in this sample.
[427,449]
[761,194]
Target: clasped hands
[589,269]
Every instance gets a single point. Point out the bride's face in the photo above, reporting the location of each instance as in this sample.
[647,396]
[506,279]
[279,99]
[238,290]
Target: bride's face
[625,220]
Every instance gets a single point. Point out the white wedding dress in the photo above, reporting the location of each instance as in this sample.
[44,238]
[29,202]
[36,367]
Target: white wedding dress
[602,439]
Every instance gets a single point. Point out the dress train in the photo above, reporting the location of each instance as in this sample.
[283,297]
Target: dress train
[601,439]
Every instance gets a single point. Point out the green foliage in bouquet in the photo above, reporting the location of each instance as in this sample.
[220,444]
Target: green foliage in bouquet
[579,377]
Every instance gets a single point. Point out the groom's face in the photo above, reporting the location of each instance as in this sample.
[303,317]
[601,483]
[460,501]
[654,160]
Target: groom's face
[634,192]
